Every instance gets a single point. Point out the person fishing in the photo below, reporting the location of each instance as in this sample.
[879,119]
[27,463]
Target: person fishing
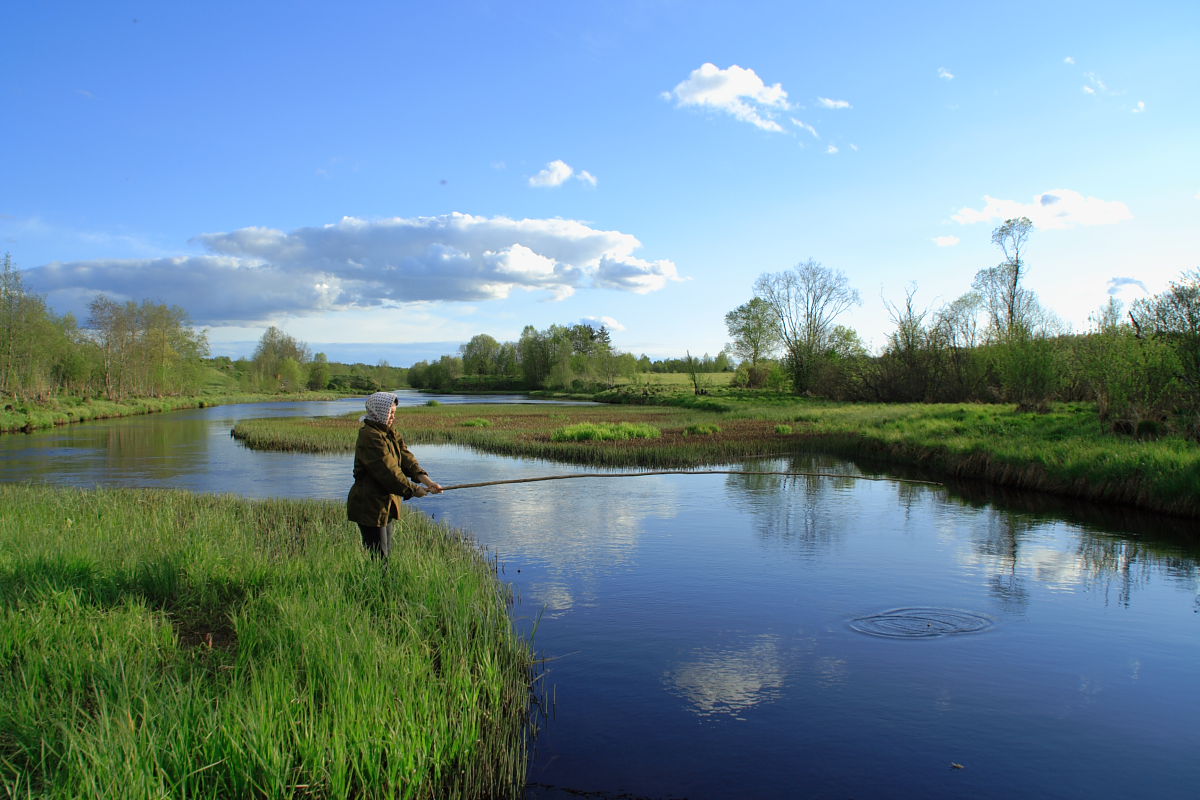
[385,473]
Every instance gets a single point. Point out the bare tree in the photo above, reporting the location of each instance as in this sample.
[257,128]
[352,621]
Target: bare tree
[806,300]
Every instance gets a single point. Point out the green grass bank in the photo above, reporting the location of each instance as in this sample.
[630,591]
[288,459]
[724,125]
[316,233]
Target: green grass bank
[16,416]
[1066,451]
[201,646]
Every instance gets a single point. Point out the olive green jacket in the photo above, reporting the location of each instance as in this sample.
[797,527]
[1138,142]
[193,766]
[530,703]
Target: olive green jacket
[385,472]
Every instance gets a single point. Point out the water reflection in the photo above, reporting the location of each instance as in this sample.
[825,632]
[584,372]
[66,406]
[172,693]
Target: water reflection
[729,681]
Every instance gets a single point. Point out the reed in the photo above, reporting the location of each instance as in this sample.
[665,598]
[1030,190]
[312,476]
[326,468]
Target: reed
[1066,451]
[198,646]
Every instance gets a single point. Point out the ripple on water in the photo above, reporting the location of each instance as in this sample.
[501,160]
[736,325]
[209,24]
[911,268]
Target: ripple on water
[921,623]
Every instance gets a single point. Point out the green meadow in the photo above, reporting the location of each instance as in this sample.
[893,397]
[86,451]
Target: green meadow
[167,644]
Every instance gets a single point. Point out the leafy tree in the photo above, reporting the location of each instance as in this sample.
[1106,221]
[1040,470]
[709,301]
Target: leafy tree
[318,372]
[274,348]
[806,300]
[480,355]
[754,329]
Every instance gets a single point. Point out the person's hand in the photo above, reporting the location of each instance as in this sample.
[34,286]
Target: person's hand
[434,486]
[419,491]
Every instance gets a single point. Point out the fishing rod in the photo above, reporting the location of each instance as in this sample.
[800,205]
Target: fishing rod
[685,472]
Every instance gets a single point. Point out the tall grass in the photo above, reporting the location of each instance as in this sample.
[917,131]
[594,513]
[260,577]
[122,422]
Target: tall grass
[164,644]
[1066,451]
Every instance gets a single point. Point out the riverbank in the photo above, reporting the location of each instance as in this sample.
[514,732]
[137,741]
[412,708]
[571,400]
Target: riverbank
[25,418]
[174,644]
[1065,452]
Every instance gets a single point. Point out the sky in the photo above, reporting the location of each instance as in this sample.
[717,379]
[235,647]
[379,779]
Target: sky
[385,180]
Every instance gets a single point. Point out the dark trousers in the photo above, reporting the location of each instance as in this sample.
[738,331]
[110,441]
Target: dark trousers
[378,541]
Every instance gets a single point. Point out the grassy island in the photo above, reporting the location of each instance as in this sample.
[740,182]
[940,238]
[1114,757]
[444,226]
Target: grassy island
[167,644]
[1065,451]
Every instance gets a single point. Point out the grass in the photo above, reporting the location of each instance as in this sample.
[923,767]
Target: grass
[18,416]
[605,431]
[181,645]
[1066,451]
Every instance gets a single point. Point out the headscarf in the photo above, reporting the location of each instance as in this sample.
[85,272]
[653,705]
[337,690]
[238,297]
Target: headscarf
[378,406]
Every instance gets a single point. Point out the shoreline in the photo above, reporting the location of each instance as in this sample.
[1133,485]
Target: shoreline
[1062,453]
[30,418]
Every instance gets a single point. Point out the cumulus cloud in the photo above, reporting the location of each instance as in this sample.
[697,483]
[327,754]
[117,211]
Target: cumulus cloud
[946,241]
[603,322]
[827,103]
[736,91]
[1056,209]
[1115,285]
[945,74]
[558,172]
[253,274]
[1139,108]
[832,149]
[1068,60]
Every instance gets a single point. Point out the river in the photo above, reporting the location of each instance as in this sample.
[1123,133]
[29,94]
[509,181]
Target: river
[733,636]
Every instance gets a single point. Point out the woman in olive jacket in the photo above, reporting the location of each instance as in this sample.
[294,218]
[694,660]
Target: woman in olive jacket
[385,472]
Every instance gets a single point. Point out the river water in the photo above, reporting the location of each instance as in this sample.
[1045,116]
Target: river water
[732,636]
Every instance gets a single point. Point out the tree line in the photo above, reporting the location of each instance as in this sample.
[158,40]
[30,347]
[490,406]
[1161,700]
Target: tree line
[578,357]
[997,343]
[145,349]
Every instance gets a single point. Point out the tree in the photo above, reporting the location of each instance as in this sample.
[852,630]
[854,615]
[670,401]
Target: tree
[754,330]
[318,372]
[274,348]
[1009,305]
[806,300]
[480,355]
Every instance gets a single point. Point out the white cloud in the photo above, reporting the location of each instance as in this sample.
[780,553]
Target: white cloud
[1056,209]
[558,172]
[945,74]
[946,241]
[827,103]
[804,126]
[253,274]
[1068,60]
[1139,108]
[1088,90]
[735,91]
[603,321]
[831,149]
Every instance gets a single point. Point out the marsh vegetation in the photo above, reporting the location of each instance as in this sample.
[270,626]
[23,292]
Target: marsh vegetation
[183,645]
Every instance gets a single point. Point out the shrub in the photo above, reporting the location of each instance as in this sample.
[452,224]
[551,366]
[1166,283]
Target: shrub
[433,403]
[783,430]
[476,423]
[701,429]
[600,431]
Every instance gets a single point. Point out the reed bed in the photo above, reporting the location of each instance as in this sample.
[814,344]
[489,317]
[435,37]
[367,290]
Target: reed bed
[167,644]
[1066,451]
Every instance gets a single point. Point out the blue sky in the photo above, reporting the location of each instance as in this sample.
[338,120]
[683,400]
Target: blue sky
[386,180]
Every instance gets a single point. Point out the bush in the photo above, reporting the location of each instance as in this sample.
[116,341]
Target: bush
[783,430]
[601,431]
[701,429]
[433,403]
[475,423]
